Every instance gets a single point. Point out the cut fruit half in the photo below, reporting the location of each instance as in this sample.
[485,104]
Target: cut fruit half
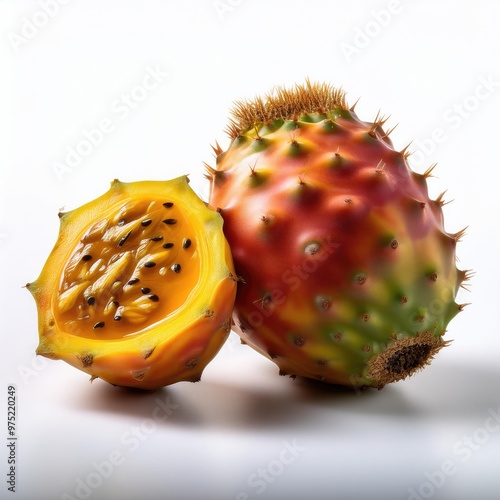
[140,286]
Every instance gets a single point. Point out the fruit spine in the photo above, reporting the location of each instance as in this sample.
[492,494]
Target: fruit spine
[347,274]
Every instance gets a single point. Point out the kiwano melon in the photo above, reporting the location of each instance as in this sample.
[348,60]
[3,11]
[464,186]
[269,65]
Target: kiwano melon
[139,287]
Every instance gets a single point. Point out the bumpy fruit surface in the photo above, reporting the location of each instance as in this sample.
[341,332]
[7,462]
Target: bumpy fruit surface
[347,274]
[139,287]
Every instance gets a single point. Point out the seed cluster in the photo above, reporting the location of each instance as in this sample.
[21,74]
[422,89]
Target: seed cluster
[121,266]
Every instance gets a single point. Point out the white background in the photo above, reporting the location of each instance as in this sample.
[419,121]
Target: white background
[433,66]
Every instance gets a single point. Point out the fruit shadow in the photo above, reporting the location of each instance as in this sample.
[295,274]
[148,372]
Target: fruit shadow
[447,393]
[442,392]
[222,405]
[452,391]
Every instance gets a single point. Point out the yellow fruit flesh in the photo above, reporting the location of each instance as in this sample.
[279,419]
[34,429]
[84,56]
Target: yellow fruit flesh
[125,280]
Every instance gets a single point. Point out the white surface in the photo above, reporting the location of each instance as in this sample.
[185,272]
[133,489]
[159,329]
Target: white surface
[223,435]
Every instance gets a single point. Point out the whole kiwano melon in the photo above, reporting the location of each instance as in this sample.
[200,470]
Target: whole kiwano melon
[347,274]
[139,287]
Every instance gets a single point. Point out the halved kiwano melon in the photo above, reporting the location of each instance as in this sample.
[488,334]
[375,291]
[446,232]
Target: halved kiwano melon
[139,287]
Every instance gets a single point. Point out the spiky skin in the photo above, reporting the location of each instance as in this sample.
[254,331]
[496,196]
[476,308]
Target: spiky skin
[139,287]
[347,274]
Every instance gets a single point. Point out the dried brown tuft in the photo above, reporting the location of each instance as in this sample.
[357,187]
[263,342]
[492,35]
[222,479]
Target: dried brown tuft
[86,359]
[285,104]
[139,374]
[403,358]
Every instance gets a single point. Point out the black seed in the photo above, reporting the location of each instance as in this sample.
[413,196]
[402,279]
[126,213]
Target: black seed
[156,238]
[176,268]
[124,239]
[186,243]
[167,245]
[146,222]
[99,324]
[86,257]
[154,298]
[168,204]
[90,301]
[133,281]
[169,221]
[117,317]
[145,290]
[150,264]
[121,222]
